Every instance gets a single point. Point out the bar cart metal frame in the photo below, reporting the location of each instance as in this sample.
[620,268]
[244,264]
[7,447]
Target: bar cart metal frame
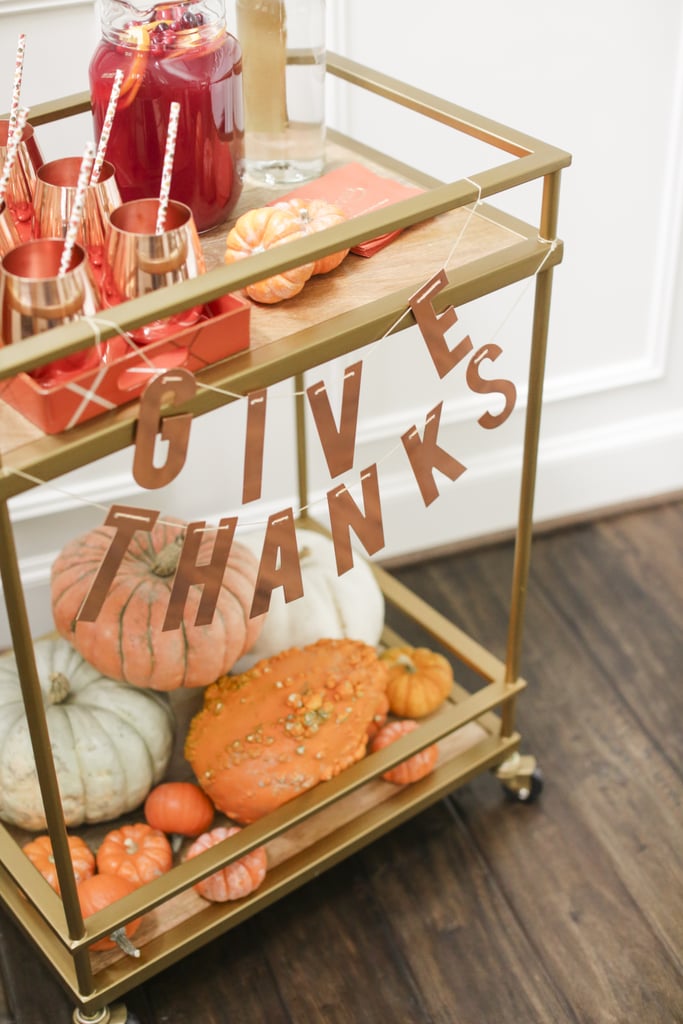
[55,925]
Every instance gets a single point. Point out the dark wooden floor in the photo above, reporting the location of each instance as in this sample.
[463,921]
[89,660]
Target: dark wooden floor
[480,911]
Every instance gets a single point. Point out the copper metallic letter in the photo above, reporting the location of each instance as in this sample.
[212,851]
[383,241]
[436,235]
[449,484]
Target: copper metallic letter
[253,448]
[126,520]
[209,576]
[434,327]
[485,387]
[174,429]
[344,514]
[280,566]
[426,455]
[338,445]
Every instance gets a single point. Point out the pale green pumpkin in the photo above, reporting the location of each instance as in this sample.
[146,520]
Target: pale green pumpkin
[111,742]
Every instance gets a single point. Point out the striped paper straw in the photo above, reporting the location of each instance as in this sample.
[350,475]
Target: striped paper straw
[12,147]
[77,208]
[106,127]
[16,88]
[167,169]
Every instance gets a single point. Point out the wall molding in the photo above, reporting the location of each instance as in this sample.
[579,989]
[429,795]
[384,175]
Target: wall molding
[666,269]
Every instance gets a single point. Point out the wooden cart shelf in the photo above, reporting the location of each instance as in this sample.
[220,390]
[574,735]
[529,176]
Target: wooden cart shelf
[363,301]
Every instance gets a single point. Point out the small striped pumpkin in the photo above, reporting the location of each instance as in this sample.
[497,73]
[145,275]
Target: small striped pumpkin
[413,768]
[237,879]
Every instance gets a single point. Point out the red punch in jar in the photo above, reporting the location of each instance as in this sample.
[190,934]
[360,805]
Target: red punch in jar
[182,52]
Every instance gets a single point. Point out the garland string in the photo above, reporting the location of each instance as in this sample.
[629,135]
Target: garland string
[97,322]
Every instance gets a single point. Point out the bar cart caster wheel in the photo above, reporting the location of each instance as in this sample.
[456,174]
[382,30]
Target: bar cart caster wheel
[521,778]
[114,1014]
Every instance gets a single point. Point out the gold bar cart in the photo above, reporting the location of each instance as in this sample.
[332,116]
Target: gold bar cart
[475,728]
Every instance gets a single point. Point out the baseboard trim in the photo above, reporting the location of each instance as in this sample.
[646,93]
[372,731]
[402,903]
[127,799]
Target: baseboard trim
[553,525]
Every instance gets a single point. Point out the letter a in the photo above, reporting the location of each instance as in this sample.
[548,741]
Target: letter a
[426,455]
[280,545]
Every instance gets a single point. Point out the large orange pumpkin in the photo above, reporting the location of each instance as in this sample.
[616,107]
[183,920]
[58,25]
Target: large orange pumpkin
[291,721]
[126,641]
[316,215]
[264,228]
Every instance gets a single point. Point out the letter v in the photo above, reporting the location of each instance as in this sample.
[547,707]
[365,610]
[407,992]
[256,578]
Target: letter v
[338,444]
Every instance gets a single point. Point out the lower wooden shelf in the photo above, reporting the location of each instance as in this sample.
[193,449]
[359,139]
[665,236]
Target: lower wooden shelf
[346,823]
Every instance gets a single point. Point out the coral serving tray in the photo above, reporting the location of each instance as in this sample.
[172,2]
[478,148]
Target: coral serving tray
[80,396]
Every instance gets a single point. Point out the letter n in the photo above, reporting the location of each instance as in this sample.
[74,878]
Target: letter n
[345,514]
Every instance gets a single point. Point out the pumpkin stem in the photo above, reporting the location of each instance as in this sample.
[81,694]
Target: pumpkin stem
[123,942]
[167,559]
[407,663]
[59,688]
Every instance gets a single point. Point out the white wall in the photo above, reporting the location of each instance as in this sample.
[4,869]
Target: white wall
[604,81]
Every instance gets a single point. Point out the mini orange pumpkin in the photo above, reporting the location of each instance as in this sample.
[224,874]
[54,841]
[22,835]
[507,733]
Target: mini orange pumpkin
[236,880]
[96,893]
[39,852]
[179,808]
[413,768]
[293,720]
[316,215]
[264,228]
[419,680]
[137,853]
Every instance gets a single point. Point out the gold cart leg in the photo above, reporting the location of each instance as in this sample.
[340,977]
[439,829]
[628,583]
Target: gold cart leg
[520,572]
[520,775]
[302,461]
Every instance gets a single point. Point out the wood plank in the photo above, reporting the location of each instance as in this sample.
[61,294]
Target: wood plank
[603,847]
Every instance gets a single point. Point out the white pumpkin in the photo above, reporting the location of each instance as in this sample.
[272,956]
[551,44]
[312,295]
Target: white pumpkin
[111,742]
[332,606]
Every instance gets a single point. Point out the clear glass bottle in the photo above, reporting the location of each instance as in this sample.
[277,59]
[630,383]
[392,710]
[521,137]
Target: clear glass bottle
[283,43]
[173,51]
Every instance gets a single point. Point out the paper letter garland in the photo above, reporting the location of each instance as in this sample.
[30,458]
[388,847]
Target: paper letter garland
[279,566]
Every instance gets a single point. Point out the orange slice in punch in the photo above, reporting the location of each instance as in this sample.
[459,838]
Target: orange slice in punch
[138,38]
